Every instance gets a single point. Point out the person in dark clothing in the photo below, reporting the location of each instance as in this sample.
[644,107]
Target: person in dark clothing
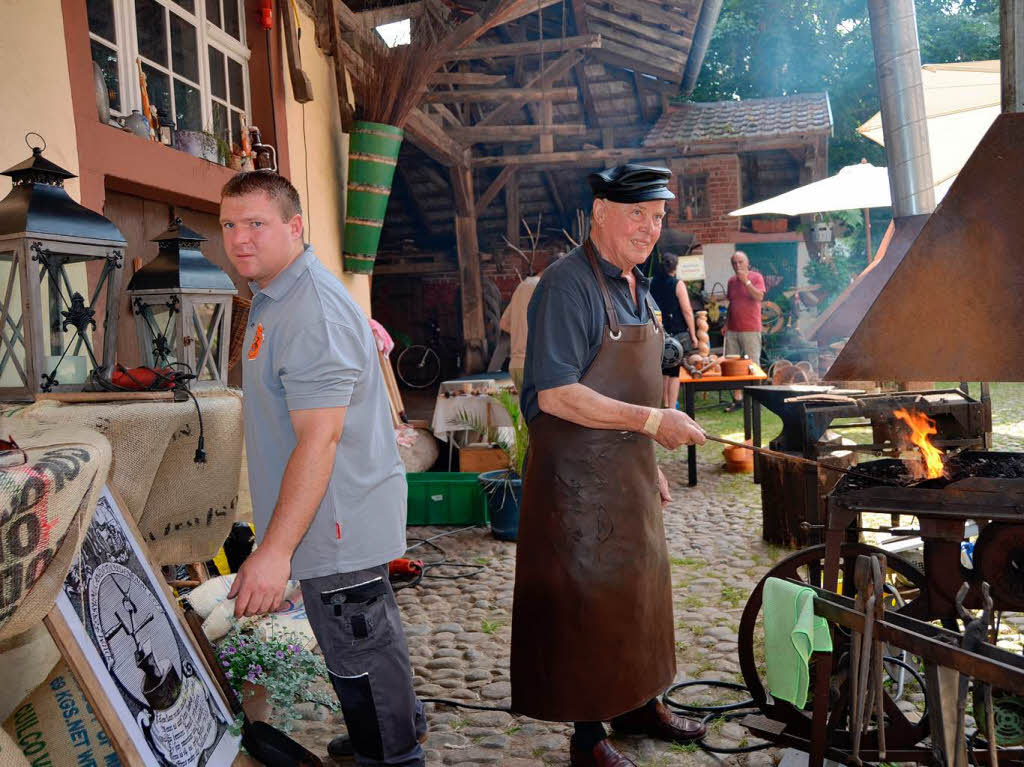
[669,293]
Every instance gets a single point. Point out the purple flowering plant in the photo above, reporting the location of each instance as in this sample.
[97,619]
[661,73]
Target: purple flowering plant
[279,663]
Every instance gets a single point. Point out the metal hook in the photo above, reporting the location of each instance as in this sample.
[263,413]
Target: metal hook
[33,133]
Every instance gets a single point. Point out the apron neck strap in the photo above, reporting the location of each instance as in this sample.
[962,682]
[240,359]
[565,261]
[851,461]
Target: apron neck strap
[609,310]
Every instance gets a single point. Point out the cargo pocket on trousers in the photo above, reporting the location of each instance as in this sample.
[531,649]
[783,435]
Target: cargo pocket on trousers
[362,618]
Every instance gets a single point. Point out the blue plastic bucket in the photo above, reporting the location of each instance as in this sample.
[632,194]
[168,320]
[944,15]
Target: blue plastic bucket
[503,497]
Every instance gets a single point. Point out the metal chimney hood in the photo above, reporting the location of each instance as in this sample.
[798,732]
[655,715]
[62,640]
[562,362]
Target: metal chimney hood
[953,309]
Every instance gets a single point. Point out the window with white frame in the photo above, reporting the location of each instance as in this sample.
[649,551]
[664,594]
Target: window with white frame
[192,52]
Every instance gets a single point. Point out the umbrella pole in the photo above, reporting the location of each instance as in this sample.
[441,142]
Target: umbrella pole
[867,231]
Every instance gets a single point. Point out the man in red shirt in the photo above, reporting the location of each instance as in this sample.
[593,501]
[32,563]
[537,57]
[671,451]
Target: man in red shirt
[743,327]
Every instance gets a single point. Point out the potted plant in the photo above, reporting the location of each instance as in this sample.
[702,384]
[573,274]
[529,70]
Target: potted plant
[273,673]
[197,143]
[504,487]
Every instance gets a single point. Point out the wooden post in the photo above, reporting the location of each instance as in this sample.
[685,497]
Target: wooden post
[475,355]
[512,209]
[1011,29]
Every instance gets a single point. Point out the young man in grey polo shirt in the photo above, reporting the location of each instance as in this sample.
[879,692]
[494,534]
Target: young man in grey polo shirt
[328,487]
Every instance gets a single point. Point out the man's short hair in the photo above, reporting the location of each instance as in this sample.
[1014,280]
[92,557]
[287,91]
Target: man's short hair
[274,185]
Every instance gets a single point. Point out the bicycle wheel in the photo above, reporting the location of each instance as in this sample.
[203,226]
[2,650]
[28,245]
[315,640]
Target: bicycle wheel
[418,366]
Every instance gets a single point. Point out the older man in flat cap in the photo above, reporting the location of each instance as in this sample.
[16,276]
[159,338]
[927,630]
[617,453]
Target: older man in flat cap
[592,627]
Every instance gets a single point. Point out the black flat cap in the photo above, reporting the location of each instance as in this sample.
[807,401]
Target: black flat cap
[631,183]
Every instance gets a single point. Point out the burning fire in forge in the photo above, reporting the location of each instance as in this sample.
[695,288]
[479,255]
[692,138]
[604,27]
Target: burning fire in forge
[921,429]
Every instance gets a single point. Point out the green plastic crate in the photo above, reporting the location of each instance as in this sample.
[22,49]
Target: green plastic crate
[446,498]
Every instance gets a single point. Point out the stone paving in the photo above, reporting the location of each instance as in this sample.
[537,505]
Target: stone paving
[459,630]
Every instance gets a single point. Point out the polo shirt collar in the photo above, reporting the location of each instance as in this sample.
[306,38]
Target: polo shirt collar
[610,270]
[282,283]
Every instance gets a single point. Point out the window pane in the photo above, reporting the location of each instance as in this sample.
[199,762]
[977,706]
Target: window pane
[187,107]
[213,13]
[159,88]
[101,19]
[218,84]
[220,121]
[184,49]
[107,60]
[188,5]
[151,23]
[237,82]
[231,25]
[236,128]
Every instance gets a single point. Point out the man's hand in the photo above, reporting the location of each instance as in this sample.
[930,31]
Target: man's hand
[742,273]
[677,428]
[260,583]
[693,337]
[666,496]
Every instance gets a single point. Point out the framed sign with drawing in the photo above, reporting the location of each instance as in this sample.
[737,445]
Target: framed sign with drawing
[124,640]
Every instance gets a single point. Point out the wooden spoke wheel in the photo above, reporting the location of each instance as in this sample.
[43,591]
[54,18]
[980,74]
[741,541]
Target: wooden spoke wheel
[903,730]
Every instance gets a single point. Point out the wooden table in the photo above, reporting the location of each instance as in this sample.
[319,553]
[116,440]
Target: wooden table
[690,386]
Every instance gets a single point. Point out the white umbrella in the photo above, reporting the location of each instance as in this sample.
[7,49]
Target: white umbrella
[856,186]
[961,101]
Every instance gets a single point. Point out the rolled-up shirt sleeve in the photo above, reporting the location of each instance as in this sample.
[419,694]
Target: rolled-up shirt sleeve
[558,338]
[320,364]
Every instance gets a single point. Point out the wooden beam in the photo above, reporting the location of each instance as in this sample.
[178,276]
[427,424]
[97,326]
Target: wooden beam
[623,57]
[655,14]
[586,157]
[302,88]
[495,186]
[342,80]
[556,196]
[579,14]
[641,98]
[546,118]
[508,95]
[642,28]
[621,41]
[549,45]
[468,249]
[543,79]
[429,137]
[464,78]
[493,13]
[476,134]
[447,115]
[512,210]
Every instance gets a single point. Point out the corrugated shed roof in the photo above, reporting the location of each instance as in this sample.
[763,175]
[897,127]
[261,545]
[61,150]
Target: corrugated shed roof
[747,119]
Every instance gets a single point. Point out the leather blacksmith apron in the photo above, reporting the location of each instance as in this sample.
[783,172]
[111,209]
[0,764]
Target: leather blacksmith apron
[592,625]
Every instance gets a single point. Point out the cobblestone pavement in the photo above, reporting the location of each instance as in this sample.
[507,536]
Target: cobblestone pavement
[459,630]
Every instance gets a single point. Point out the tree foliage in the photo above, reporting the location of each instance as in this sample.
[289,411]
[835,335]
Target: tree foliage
[780,47]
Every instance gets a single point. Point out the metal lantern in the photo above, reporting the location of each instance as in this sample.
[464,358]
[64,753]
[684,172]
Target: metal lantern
[47,244]
[182,308]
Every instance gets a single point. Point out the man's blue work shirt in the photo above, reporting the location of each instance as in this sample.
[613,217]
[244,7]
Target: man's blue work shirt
[566,320]
[309,345]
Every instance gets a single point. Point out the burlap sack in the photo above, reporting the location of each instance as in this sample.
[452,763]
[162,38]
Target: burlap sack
[56,726]
[45,508]
[184,509]
[25,660]
[10,754]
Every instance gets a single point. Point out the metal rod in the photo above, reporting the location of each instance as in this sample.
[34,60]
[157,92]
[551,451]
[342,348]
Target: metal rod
[800,459]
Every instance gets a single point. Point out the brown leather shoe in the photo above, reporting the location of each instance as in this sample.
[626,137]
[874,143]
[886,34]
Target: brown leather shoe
[661,723]
[603,755]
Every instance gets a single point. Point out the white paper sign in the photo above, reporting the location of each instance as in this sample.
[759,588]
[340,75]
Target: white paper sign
[690,268]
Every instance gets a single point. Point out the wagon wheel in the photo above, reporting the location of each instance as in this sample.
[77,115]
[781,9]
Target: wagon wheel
[808,565]
[772,317]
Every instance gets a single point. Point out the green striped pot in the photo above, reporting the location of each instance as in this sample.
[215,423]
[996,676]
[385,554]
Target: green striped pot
[372,157]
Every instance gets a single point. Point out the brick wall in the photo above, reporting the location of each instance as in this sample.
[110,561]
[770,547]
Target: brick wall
[723,189]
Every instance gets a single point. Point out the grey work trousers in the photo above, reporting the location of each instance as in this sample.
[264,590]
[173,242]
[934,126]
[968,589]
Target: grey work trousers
[360,633]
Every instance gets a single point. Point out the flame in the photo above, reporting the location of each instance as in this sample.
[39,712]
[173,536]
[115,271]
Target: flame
[921,427]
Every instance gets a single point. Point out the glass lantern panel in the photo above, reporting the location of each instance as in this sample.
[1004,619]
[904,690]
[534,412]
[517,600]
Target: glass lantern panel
[12,344]
[207,325]
[161,333]
[64,350]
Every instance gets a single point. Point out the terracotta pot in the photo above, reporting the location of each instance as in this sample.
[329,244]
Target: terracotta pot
[735,367]
[255,703]
[738,460]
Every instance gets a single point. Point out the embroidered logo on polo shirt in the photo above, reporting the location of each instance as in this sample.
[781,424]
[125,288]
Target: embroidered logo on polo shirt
[257,342]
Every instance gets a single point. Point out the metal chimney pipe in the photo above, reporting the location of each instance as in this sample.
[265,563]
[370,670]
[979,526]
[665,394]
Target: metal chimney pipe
[1011,23]
[699,47]
[904,123]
